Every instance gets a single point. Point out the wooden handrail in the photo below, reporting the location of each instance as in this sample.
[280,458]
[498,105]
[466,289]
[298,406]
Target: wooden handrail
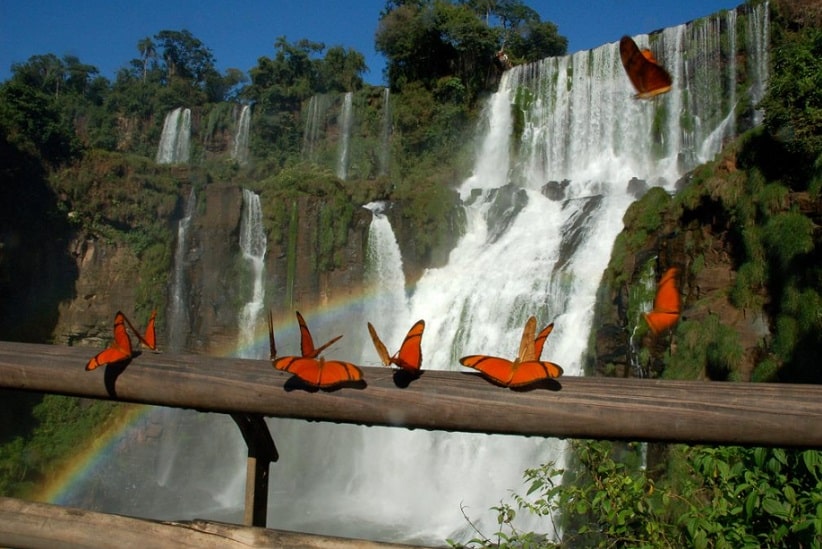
[762,414]
[43,526]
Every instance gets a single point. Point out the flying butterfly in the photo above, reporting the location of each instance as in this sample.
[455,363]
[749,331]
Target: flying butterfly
[120,348]
[409,357]
[525,369]
[319,372]
[307,342]
[667,303]
[648,77]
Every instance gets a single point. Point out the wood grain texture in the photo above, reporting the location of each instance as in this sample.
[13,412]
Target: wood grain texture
[44,526]
[760,414]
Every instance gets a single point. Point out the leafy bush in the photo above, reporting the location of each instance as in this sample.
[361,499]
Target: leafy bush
[725,496]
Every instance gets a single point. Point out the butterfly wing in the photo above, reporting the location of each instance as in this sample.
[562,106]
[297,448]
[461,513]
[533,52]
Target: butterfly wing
[307,342]
[379,345]
[272,345]
[335,372]
[527,347]
[667,303]
[539,341]
[409,357]
[318,372]
[150,338]
[120,348]
[647,76]
[532,371]
[497,369]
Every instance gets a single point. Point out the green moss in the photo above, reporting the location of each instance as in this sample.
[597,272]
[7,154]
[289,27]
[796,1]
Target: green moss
[705,347]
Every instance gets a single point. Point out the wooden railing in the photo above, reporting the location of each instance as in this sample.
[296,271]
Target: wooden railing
[763,414]
[757,414]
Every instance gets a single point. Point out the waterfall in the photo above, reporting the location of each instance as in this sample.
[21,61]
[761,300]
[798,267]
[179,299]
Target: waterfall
[314,126]
[240,150]
[174,147]
[524,251]
[385,133]
[385,279]
[344,123]
[571,118]
[178,321]
[253,245]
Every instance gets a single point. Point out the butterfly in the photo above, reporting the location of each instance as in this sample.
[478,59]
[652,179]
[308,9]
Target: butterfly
[307,342]
[120,348]
[150,338]
[644,72]
[319,372]
[409,357]
[539,341]
[272,345]
[667,303]
[525,369]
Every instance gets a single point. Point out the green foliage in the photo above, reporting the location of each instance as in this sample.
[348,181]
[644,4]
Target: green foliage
[426,41]
[725,496]
[705,347]
[62,424]
[753,497]
[786,236]
[793,102]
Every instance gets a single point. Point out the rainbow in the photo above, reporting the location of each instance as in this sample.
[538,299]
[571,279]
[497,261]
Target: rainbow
[76,469]
[58,487]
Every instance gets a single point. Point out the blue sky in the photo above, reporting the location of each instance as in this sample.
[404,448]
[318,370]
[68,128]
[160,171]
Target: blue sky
[104,33]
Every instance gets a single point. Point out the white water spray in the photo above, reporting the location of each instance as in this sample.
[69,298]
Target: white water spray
[385,133]
[178,321]
[253,245]
[385,279]
[175,141]
[240,150]
[344,122]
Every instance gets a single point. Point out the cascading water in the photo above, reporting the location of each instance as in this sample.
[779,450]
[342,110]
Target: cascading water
[385,133]
[314,126]
[175,141]
[253,245]
[385,279]
[344,122]
[178,321]
[569,119]
[240,150]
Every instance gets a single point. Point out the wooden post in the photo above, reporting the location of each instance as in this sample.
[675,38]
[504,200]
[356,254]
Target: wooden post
[261,452]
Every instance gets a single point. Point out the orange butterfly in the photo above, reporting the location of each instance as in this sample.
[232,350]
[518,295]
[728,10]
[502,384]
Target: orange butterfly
[120,348]
[319,372]
[645,73]
[525,369]
[409,357]
[667,303]
[272,345]
[150,339]
[307,342]
[539,341]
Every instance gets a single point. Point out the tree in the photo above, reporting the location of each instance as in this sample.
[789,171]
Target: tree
[147,51]
[431,40]
[340,70]
[185,56]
